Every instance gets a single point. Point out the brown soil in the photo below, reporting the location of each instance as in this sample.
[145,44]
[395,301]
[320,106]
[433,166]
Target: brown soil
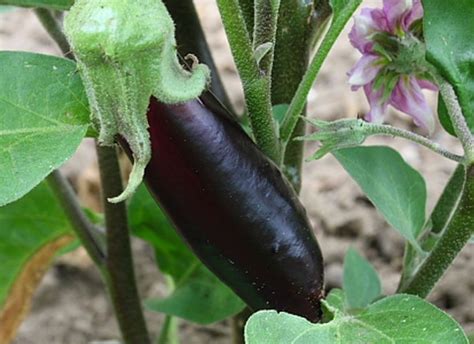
[71,306]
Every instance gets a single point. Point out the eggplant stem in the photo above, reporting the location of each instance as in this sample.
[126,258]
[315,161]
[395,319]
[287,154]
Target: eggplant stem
[120,276]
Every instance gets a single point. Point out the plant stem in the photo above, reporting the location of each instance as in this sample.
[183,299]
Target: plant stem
[81,225]
[381,129]
[256,85]
[248,12]
[299,100]
[455,236]
[266,17]
[169,331]
[238,325]
[51,25]
[120,277]
[298,25]
[455,113]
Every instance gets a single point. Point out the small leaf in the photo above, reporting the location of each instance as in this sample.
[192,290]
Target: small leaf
[32,231]
[262,50]
[361,282]
[198,294]
[396,189]
[395,319]
[199,297]
[43,118]
[51,4]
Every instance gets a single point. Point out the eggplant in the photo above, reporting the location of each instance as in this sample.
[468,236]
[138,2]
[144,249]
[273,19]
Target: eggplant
[233,206]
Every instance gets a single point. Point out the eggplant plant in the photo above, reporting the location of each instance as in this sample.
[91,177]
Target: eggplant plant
[222,211]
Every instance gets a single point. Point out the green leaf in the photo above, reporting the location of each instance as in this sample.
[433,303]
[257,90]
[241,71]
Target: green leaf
[198,294]
[32,231]
[51,4]
[449,36]
[444,117]
[361,282]
[397,319]
[397,190]
[44,116]
[439,219]
[199,297]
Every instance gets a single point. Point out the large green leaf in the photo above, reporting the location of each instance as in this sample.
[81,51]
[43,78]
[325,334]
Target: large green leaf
[398,319]
[397,190]
[43,118]
[361,282]
[32,230]
[448,30]
[52,4]
[198,295]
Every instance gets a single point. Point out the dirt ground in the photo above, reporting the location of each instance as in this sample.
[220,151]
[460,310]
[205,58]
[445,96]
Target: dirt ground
[70,305]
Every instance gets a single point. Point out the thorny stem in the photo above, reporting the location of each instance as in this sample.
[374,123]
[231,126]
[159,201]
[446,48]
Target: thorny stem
[455,236]
[51,25]
[455,113]
[81,225]
[381,129]
[120,277]
[256,86]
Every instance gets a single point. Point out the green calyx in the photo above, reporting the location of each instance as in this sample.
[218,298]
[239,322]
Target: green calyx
[343,133]
[126,53]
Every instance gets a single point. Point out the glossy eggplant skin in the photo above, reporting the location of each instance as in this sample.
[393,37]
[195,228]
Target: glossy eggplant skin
[234,208]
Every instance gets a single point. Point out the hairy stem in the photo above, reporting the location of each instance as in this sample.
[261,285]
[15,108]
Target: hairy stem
[455,113]
[298,102]
[298,25]
[380,129]
[84,229]
[454,237]
[53,28]
[289,65]
[256,85]
[266,17]
[120,276]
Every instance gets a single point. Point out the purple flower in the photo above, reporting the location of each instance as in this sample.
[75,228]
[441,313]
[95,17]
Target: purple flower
[388,69]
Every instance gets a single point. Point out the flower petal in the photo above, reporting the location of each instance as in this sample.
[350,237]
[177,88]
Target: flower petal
[426,84]
[377,105]
[364,70]
[380,19]
[394,10]
[415,13]
[407,97]
[364,26]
